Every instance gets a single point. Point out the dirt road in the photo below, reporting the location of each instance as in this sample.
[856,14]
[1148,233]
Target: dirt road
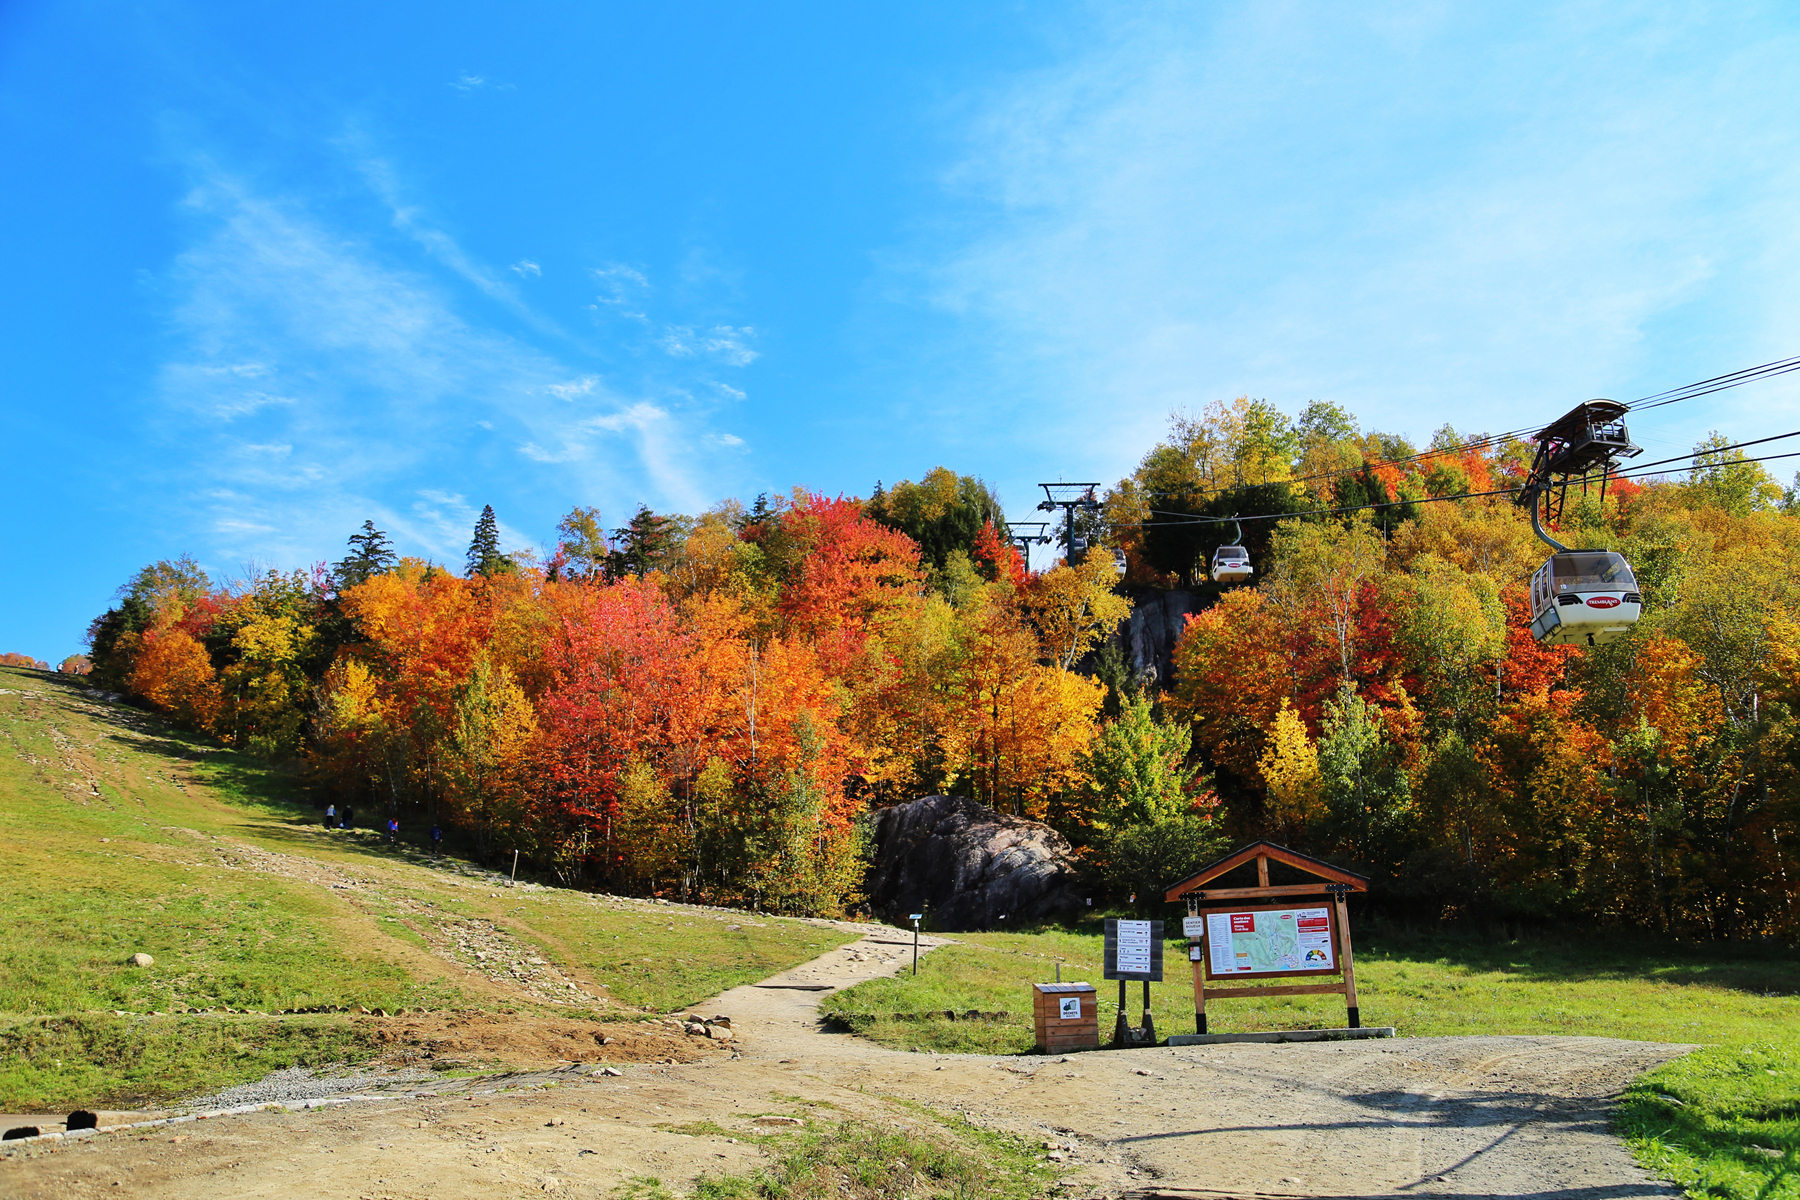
[1487,1116]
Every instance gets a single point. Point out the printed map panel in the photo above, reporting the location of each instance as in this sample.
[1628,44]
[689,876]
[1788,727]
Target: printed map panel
[1278,941]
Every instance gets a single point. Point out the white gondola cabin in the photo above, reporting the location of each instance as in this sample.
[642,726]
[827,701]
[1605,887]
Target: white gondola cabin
[1231,564]
[1584,598]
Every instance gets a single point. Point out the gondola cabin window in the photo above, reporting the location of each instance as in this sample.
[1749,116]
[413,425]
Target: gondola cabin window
[1592,572]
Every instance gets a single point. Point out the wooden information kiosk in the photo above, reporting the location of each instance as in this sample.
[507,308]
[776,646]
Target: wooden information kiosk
[1265,931]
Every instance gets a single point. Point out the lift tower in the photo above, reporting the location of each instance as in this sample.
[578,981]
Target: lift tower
[1025,534]
[1069,497]
[1583,446]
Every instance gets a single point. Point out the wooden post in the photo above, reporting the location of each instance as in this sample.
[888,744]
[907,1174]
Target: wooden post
[1199,966]
[1348,959]
[1262,870]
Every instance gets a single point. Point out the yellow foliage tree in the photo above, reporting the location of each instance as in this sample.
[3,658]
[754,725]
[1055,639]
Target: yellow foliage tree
[491,729]
[1290,770]
[1074,607]
[655,833]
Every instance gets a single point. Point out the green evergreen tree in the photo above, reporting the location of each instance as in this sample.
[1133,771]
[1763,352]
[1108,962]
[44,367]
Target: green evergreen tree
[645,544]
[485,558]
[371,554]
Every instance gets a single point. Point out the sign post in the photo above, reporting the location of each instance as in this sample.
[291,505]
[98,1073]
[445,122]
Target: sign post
[1272,930]
[916,917]
[1134,950]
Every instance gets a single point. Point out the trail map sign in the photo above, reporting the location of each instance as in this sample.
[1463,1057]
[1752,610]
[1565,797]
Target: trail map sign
[1297,926]
[1248,943]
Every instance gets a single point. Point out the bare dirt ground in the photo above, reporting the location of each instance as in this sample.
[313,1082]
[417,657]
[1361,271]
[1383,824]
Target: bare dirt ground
[1478,1116]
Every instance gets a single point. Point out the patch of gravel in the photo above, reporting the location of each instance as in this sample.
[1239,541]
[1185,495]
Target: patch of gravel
[305,1083]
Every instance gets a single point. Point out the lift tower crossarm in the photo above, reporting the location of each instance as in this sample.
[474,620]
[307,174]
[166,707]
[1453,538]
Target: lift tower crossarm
[1069,497]
[1026,534]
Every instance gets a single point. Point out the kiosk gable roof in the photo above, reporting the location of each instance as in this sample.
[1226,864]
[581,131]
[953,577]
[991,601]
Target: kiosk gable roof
[1293,858]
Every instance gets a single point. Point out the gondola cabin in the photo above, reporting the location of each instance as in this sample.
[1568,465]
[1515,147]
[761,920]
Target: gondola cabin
[1584,598]
[1231,564]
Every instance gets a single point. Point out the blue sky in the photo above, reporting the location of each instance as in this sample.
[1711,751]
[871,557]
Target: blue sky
[273,269]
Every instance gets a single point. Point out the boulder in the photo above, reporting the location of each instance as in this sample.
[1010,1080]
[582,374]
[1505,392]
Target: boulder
[970,867]
[142,960]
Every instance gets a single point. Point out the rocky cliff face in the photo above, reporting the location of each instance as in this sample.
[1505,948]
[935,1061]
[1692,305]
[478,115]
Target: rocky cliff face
[1148,636]
[970,866]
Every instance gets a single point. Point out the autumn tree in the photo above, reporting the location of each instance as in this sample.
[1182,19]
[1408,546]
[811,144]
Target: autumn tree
[944,513]
[1290,771]
[1073,609]
[165,589]
[1137,768]
[173,672]
[1317,580]
[582,544]
[491,730]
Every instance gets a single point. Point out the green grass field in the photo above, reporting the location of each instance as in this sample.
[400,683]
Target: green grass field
[1741,1092]
[918,1153]
[122,837]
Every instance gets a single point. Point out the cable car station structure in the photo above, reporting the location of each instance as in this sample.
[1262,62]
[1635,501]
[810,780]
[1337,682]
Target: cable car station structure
[1579,597]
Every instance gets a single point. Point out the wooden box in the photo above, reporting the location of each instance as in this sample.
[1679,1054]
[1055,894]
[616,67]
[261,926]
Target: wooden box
[1066,1016]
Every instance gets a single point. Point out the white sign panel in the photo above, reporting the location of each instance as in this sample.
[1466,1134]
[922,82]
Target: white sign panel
[1071,1008]
[1193,927]
[1269,941]
[1134,946]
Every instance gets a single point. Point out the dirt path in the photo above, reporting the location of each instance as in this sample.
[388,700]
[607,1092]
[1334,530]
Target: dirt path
[1488,1116]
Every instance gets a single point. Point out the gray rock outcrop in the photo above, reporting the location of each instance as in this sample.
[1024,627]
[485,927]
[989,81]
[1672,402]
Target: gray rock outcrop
[970,867]
[1149,634]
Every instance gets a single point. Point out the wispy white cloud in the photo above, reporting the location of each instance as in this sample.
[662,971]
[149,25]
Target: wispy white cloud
[728,345]
[1427,214]
[575,387]
[410,219]
[468,82]
[312,382]
[526,267]
[620,285]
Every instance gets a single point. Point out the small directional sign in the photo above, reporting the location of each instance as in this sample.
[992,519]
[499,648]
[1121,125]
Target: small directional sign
[1134,950]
